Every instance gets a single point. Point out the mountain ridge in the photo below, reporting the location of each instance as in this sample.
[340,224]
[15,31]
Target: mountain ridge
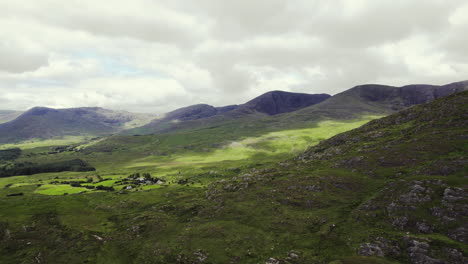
[268,111]
[271,103]
[353,103]
[44,122]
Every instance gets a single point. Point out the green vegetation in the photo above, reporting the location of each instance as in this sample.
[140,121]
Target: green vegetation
[10,154]
[246,194]
[37,143]
[26,168]
[61,189]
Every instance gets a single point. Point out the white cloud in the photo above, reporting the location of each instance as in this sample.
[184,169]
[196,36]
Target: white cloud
[16,58]
[154,56]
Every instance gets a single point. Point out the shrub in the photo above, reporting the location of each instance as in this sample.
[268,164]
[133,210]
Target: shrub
[27,168]
[15,194]
[104,188]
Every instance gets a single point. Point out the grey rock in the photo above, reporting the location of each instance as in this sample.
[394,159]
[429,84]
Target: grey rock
[369,249]
[460,234]
[272,261]
[417,194]
[418,253]
[453,194]
[455,256]
[437,211]
[400,222]
[389,248]
[313,188]
[424,227]
[200,256]
[293,254]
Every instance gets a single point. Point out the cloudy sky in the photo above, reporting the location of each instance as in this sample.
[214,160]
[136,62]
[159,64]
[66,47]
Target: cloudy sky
[157,55]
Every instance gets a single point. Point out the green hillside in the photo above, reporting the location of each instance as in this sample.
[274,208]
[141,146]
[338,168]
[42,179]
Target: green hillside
[391,191]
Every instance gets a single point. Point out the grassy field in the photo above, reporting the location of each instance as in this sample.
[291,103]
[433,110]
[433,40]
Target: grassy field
[37,143]
[180,160]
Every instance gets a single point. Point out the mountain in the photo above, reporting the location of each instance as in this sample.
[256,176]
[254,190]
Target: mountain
[278,102]
[391,191]
[8,115]
[281,110]
[193,112]
[268,112]
[44,123]
[271,103]
[372,99]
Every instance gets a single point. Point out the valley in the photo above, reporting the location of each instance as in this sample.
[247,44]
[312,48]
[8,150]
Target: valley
[376,174]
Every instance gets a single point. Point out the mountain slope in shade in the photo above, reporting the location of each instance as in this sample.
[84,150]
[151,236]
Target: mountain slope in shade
[189,113]
[282,110]
[278,102]
[194,112]
[270,111]
[8,115]
[270,104]
[375,99]
[45,123]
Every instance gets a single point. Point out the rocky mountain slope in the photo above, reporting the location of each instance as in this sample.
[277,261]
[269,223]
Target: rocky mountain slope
[44,123]
[392,190]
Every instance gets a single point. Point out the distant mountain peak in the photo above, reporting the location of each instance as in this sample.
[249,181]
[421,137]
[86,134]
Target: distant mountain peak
[39,110]
[44,122]
[192,112]
[278,102]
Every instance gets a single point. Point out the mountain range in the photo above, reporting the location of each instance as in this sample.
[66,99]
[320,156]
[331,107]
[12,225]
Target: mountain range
[268,111]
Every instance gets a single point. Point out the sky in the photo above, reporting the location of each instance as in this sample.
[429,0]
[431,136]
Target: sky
[158,55]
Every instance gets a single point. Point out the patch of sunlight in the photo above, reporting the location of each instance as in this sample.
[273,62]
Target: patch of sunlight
[35,143]
[273,143]
[59,189]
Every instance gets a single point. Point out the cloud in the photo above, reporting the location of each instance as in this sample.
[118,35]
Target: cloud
[18,59]
[155,56]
